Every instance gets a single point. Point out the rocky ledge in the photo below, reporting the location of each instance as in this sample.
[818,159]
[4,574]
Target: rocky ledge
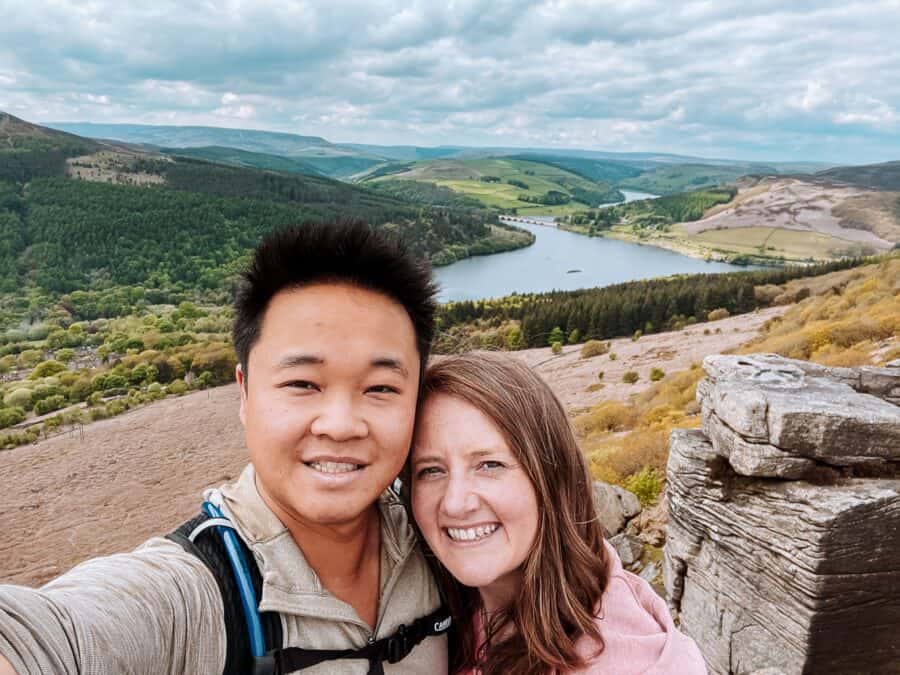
[783,540]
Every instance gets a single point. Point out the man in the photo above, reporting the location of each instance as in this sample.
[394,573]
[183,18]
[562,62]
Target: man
[332,330]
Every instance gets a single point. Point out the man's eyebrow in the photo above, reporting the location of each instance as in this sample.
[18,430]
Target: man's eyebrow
[293,360]
[390,363]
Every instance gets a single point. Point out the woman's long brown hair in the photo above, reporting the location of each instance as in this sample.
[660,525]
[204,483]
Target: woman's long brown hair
[565,572]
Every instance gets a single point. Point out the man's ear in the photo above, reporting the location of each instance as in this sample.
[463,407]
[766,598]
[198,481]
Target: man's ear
[242,386]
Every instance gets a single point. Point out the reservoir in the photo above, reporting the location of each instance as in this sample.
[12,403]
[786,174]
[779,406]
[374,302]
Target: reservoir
[560,260]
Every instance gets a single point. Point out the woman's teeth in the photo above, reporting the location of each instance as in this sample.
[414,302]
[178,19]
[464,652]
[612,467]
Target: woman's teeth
[333,467]
[472,533]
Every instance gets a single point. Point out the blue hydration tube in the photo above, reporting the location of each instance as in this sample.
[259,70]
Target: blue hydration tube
[242,575]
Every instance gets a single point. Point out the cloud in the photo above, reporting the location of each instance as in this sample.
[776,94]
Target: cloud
[757,78]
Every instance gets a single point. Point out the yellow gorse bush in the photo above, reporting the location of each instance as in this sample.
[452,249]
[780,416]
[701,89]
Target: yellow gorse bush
[854,319]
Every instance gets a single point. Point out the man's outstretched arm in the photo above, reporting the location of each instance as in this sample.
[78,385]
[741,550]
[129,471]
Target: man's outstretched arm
[156,610]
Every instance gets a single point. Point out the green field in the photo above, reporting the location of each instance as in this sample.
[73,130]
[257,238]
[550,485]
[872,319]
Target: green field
[467,177]
[774,242]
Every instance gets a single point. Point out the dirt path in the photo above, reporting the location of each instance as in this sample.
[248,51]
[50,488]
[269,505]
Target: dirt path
[115,483]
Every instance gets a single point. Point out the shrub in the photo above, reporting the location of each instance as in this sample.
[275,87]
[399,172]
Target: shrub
[65,354]
[95,399]
[630,377]
[656,374]
[613,357]
[177,387]
[717,314]
[43,391]
[80,389]
[765,295]
[220,361]
[7,362]
[30,358]
[46,369]
[116,407]
[556,335]
[606,416]
[600,375]
[11,416]
[646,484]
[556,347]
[593,348]
[514,339]
[18,398]
[637,335]
[49,404]
[574,336]
[107,381]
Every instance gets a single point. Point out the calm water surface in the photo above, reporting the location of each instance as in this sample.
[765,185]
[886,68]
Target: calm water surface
[560,260]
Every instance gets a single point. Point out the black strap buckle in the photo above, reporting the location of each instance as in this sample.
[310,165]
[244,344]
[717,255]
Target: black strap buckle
[397,646]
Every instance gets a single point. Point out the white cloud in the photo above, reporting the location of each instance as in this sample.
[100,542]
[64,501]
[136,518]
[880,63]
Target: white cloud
[629,75]
[238,112]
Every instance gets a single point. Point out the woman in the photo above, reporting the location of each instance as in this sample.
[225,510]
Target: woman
[501,494]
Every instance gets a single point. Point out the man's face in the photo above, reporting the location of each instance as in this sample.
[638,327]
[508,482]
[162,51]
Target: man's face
[329,402]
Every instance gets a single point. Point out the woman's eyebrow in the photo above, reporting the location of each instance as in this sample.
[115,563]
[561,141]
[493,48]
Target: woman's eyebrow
[426,458]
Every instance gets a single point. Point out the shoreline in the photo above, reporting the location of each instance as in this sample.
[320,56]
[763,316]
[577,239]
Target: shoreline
[696,251]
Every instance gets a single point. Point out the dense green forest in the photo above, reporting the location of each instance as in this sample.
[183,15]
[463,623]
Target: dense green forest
[653,305]
[78,233]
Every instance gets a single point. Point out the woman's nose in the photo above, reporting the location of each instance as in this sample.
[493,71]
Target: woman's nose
[459,498]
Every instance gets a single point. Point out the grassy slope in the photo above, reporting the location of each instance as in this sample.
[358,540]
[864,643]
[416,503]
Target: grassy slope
[463,176]
[245,158]
[850,318]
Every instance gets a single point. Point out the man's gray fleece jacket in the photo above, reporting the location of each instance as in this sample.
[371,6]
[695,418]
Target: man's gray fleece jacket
[158,610]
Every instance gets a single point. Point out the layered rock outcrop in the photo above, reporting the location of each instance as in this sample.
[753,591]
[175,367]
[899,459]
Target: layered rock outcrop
[783,541]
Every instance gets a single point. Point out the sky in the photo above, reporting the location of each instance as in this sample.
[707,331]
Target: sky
[753,79]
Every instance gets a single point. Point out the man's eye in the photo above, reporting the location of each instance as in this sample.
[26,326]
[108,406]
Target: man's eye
[303,385]
[383,389]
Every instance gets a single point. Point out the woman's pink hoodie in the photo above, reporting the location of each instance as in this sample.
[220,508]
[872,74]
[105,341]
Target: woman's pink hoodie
[639,636]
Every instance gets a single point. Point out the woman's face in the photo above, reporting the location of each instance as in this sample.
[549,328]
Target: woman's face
[472,500]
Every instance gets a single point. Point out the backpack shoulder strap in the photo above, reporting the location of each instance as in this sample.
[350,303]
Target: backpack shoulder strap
[211,550]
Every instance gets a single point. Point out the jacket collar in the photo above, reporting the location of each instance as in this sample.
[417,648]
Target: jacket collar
[290,584]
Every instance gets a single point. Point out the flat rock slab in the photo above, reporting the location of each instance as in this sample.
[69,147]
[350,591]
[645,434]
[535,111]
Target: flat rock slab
[777,417]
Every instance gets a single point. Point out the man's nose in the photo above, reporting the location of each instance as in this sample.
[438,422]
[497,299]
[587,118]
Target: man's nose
[339,419]
[459,498]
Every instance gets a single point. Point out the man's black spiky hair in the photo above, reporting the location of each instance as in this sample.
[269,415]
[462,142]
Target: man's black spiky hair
[346,251]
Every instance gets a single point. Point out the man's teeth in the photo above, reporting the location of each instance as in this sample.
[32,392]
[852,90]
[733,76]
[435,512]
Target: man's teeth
[333,467]
[471,533]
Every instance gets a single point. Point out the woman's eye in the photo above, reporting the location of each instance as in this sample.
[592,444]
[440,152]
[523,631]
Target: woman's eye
[491,464]
[428,472]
